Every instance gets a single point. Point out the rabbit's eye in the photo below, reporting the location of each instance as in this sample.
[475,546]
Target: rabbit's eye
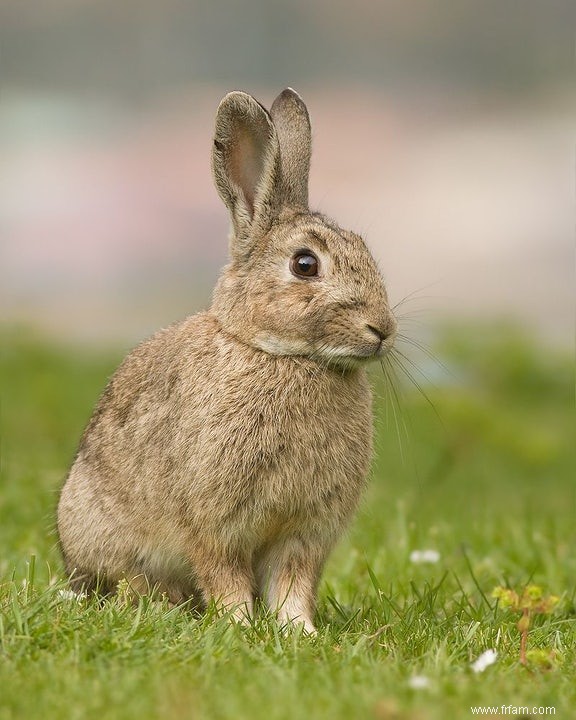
[304,264]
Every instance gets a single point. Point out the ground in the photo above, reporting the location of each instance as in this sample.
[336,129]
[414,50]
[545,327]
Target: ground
[479,471]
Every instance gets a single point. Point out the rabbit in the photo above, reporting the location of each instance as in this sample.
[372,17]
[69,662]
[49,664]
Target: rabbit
[229,451]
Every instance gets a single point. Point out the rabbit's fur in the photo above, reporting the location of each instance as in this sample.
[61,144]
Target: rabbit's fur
[229,451]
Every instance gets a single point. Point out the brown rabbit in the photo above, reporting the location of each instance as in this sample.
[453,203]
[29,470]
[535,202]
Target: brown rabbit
[229,451]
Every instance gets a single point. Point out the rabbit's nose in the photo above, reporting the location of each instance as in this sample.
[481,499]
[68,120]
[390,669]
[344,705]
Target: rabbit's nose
[383,331]
[380,334]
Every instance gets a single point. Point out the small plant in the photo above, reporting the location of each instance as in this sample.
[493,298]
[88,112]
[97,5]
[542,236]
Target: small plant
[531,601]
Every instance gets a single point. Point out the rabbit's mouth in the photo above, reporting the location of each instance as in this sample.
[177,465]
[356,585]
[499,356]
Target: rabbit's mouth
[377,341]
[356,341]
[359,355]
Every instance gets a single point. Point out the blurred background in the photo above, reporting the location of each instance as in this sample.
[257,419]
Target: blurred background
[442,132]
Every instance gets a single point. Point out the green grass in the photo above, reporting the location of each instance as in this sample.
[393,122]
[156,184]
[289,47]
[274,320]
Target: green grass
[486,478]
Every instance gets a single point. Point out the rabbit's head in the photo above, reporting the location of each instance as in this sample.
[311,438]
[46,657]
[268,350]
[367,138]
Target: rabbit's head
[296,284]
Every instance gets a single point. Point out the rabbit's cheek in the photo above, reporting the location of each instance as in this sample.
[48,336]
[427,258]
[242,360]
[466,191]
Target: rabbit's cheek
[277,345]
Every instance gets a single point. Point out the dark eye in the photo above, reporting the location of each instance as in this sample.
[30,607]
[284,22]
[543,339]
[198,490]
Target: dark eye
[304,264]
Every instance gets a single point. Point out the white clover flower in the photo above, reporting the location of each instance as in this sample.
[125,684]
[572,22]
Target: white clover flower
[419,682]
[487,658]
[424,556]
[71,595]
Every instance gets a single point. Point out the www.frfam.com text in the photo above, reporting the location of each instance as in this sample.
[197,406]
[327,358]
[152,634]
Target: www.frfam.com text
[512,710]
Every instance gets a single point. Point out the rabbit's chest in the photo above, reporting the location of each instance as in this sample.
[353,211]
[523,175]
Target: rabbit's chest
[312,466]
[276,444]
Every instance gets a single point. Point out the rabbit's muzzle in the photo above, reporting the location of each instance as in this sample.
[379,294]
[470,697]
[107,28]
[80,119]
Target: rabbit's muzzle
[382,337]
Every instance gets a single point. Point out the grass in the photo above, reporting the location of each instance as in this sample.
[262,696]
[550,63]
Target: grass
[486,479]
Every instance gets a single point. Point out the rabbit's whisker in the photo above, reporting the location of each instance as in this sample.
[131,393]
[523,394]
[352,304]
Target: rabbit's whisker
[420,346]
[394,402]
[401,361]
[414,295]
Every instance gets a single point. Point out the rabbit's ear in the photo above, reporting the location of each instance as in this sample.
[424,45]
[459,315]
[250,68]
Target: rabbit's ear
[246,165]
[292,123]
